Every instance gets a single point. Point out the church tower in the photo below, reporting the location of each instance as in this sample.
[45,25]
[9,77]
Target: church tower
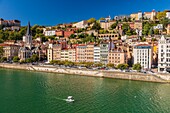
[28,37]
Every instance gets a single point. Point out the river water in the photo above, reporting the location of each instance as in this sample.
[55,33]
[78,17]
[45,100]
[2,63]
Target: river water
[36,92]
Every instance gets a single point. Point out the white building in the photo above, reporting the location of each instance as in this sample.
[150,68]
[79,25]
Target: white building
[96,54]
[143,54]
[164,54]
[139,15]
[81,24]
[159,27]
[49,33]
[168,14]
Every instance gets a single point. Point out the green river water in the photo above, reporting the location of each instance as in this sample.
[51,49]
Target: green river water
[36,92]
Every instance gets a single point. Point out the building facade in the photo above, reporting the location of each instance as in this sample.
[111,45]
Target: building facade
[104,50]
[117,56]
[96,54]
[164,54]
[143,54]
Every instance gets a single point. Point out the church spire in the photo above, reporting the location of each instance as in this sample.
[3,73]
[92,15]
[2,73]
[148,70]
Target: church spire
[28,30]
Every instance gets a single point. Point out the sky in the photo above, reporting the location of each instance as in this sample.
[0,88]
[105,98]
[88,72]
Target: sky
[53,12]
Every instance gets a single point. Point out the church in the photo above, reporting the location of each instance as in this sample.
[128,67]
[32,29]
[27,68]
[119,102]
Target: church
[25,52]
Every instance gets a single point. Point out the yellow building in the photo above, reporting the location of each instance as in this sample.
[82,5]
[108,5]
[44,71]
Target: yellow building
[134,16]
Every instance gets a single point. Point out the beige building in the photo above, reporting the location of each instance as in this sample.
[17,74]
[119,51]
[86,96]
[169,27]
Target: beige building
[138,25]
[54,52]
[64,54]
[106,25]
[72,54]
[168,29]
[117,56]
[134,16]
[107,36]
[81,53]
[90,52]
[10,50]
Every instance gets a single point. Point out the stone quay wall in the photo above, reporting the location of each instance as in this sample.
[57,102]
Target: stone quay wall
[162,78]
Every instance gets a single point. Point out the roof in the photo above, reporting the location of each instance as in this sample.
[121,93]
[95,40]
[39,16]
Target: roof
[2,45]
[28,30]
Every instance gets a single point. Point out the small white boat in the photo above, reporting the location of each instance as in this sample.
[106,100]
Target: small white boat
[70,99]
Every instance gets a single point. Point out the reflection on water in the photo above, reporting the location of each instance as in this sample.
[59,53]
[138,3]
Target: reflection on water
[34,92]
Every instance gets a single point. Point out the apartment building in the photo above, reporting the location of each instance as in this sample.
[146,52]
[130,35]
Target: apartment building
[54,52]
[65,54]
[90,52]
[104,48]
[72,54]
[142,54]
[117,56]
[10,50]
[50,33]
[81,53]
[96,53]
[164,54]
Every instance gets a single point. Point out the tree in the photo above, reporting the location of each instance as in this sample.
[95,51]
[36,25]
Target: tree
[125,27]
[34,58]
[151,31]
[16,59]
[164,21]
[28,60]
[113,26]
[96,26]
[91,20]
[137,67]
[72,36]
[161,15]
[98,64]
[143,39]
[110,65]
[122,66]
[3,59]
[102,18]
[1,52]
[156,31]
[146,29]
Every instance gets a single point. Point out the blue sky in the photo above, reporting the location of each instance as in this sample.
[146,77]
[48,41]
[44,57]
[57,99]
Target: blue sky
[52,12]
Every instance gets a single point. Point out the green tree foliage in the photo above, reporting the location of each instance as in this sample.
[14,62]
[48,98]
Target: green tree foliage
[102,18]
[113,26]
[3,59]
[165,22]
[156,32]
[72,36]
[151,31]
[122,66]
[16,59]
[98,64]
[96,26]
[110,65]
[137,67]
[125,27]
[91,20]
[34,58]
[161,15]
[1,52]
[146,28]
[143,39]
[28,60]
